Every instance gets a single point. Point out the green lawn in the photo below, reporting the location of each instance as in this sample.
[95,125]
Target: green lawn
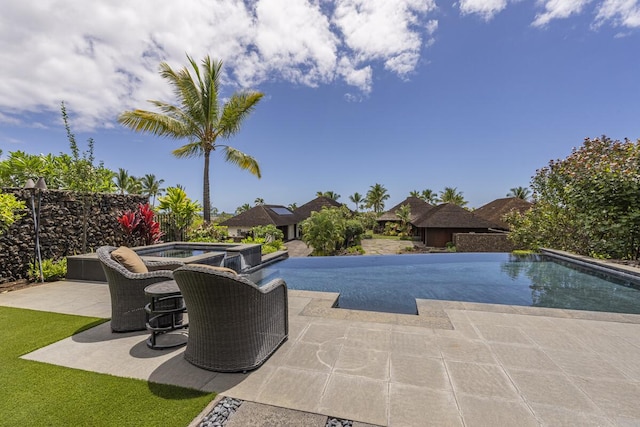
[39,394]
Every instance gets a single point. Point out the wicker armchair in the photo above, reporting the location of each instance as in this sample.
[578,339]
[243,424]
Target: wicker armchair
[127,289]
[234,325]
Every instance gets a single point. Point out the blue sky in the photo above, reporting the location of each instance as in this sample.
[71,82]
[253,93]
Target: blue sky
[409,94]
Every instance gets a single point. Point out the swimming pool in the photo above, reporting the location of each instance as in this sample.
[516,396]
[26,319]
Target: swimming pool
[391,283]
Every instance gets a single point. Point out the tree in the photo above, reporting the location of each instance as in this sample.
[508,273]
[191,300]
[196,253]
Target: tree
[331,230]
[519,192]
[243,208]
[404,215]
[376,196]
[329,194]
[588,203]
[181,208]
[429,196]
[259,201]
[8,207]
[357,199]
[292,206]
[151,187]
[452,195]
[199,118]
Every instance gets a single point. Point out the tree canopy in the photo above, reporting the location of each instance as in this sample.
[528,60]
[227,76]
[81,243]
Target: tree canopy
[588,203]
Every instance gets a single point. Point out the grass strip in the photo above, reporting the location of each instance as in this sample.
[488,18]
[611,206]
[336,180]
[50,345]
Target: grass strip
[35,393]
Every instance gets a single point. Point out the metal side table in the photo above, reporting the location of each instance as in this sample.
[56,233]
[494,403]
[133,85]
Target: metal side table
[165,314]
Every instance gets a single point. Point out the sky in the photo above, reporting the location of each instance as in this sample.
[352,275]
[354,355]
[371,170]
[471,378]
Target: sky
[410,94]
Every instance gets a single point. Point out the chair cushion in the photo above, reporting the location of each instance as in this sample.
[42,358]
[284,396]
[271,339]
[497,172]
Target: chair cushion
[129,260]
[217,268]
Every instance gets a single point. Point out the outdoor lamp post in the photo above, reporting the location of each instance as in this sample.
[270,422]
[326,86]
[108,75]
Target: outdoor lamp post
[38,188]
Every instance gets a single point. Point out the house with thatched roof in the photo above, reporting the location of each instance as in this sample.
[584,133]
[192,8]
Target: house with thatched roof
[280,216]
[496,210]
[437,226]
[418,209]
[316,205]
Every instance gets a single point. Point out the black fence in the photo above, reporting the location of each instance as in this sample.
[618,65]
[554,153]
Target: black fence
[171,233]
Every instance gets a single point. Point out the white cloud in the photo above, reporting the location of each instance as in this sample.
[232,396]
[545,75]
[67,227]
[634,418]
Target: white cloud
[485,8]
[101,57]
[555,9]
[625,13]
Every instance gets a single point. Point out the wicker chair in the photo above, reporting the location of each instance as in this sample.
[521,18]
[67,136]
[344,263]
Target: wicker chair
[127,289]
[234,325]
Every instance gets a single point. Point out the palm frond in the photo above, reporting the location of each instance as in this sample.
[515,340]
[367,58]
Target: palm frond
[242,160]
[192,149]
[236,110]
[155,123]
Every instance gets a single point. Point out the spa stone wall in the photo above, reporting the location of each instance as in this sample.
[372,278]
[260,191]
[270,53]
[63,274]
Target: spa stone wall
[483,242]
[61,228]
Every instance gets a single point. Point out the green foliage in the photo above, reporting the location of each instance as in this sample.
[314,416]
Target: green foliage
[40,394]
[209,232]
[268,236]
[588,203]
[328,194]
[520,192]
[376,197]
[199,117]
[357,199]
[8,207]
[404,215]
[183,211]
[52,270]
[452,195]
[243,208]
[331,231]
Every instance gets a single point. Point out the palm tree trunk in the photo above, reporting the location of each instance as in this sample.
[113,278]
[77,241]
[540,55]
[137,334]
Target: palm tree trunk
[206,202]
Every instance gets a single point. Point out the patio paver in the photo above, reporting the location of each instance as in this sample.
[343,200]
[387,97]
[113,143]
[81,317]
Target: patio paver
[503,366]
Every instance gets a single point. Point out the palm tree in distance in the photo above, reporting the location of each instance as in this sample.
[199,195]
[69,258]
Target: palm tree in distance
[258,201]
[292,206]
[357,199]
[519,192]
[151,187]
[243,208]
[124,181]
[452,195]
[329,194]
[376,196]
[429,196]
[199,118]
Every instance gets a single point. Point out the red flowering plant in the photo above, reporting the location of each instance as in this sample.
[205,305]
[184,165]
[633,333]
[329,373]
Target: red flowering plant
[139,227]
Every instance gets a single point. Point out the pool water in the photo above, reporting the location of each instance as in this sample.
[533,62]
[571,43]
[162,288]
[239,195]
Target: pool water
[391,283]
[176,253]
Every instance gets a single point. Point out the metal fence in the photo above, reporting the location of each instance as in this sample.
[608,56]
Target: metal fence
[167,226]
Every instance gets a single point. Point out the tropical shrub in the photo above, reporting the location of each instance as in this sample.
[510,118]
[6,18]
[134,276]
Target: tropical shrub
[52,270]
[268,236]
[331,231]
[209,232]
[588,203]
[139,227]
[183,211]
[8,207]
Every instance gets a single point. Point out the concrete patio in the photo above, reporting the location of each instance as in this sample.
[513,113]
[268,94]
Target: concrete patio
[454,364]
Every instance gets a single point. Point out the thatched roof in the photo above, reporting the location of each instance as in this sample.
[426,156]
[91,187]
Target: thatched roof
[316,205]
[418,209]
[263,215]
[496,210]
[448,215]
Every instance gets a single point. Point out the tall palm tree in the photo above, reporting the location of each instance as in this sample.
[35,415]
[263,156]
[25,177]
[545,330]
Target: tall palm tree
[452,195]
[429,196]
[199,117]
[151,187]
[329,194]
[357,199]
[122,179]
[376,196]
[519,192]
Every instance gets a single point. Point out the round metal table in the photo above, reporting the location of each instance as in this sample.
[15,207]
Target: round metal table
[165,313]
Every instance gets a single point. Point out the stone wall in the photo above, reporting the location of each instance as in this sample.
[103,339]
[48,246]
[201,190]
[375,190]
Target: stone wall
[61,228]
[483,242]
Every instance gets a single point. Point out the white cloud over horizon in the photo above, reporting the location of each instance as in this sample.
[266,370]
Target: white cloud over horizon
[102,57]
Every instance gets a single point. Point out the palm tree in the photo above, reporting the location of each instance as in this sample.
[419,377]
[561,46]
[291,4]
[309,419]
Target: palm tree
[199,117]
[429,196]
[520,193]
[259,201]
[151,187]
[451,195]
[376,196]
[243,208]
[415,193]
[292,206]
[404,215]
[357,199]
[329,194]
[122,180]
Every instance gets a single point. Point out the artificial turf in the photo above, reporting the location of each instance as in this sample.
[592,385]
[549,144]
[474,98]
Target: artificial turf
[39,394]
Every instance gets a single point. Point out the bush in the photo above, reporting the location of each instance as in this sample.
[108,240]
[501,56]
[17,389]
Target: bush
[51,270]
[210,232]
[8,207]
[331,231]
[139,227]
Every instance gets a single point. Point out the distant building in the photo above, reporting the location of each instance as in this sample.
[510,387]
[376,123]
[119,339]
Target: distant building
[419,208]
[496,210]
[280,216]
[316,205]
